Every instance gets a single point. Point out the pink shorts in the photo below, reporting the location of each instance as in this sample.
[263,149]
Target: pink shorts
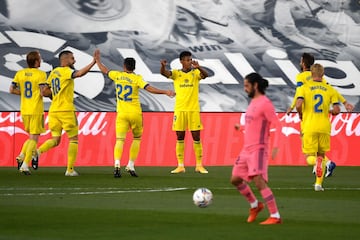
[250,164]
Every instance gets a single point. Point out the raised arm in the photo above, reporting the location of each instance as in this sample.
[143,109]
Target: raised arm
[101,66]
[84,70]
[203,72]
[163,71]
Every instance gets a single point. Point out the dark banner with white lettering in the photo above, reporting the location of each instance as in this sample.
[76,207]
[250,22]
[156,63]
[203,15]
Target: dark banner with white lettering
[229,38]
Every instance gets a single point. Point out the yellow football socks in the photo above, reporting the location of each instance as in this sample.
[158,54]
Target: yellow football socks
[198,152]
[72,153]
[311,160]
[48,144]
[180,148]
[118,149]
[24,147]
[134,149]
[31,147]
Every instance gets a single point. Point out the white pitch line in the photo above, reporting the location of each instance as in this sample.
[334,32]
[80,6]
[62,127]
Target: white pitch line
[94,193]
[110,190]
[70,188]
[151,189]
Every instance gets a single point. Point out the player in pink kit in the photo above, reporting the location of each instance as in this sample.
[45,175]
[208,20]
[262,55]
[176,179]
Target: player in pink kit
[252,163]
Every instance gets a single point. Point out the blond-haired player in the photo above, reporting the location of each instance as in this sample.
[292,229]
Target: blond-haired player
[306,61]
[60,85]
[313,103]
[187,107]
[27,83]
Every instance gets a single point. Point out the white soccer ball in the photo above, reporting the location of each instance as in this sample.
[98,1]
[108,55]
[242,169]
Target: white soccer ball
[202,197]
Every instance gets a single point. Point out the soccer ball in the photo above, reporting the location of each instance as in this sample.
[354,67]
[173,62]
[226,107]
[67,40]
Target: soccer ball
[202,197]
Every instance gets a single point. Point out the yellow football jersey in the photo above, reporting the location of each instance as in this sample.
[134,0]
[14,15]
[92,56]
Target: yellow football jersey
[303,78]
[62,86]
[127,91]
[318,97]
[186,86]
[28,81]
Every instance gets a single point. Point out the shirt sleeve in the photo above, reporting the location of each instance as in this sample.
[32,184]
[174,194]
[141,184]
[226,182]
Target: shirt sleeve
[198,74]
[275,122]
[300,92]
[141,82]
[173,75]
[299,81]
[73,74]
[340,97]
[42,79]
[337,98]
[111,74]
[16,79]
[48,80]
[293,103]
[68,73]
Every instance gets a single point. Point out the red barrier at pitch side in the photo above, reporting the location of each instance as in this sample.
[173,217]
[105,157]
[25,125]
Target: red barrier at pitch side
[221,142]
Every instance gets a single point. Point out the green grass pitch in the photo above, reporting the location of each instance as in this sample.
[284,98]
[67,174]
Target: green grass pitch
[158,205]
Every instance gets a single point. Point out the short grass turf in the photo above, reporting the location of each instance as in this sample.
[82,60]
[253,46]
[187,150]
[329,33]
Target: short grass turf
[158,205]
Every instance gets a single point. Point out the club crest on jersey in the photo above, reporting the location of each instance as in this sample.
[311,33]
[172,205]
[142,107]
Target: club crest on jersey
[99,10]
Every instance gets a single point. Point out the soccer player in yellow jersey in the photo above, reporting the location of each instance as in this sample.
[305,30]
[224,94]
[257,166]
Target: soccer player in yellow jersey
[27,83]
[187,107]
[128,108]
[60,85]
[313,103]
[306,61]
